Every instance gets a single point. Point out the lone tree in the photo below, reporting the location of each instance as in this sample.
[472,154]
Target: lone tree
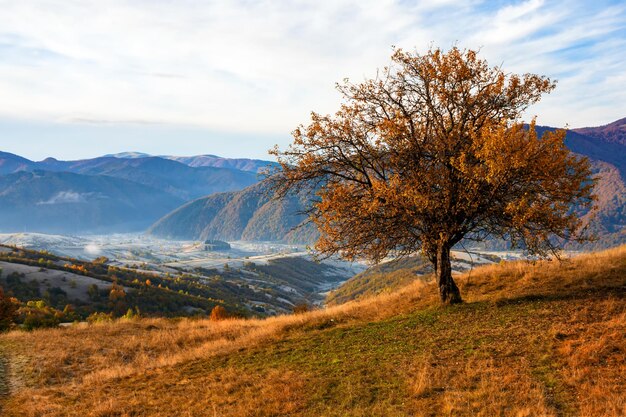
[430,152]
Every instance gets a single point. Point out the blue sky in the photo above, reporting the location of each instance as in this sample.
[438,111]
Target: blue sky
[80,78]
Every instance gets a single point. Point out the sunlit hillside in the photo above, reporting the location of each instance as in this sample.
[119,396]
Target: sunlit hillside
[543,339]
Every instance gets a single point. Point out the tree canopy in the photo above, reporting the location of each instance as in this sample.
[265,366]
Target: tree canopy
[430,152]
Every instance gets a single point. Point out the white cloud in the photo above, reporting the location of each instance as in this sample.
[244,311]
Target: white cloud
[261,66]
[66,197]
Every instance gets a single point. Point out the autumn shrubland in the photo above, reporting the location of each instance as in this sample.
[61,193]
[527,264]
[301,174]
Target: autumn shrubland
[531,339]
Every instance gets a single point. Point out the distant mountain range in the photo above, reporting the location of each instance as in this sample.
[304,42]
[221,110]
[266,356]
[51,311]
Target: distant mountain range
[241,164]
[208,197]
[68,203]
[109,193]
[250,215]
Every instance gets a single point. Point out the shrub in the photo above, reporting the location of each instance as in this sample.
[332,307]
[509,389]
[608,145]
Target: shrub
[301,308]
[219,313]
[8,311]
[69,313]
[94,292]
[132,313]
[100,317]
[100,260]
[37,314]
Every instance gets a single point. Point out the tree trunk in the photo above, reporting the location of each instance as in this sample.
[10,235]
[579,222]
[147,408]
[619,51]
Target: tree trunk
[448,291]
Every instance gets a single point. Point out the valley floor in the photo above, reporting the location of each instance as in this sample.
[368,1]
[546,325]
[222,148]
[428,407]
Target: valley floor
[543,339]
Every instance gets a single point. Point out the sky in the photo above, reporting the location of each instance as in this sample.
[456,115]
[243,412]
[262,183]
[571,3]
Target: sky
[82,78]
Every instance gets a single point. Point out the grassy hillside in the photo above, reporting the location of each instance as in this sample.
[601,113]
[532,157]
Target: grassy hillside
[544,339]
[393,275]
[275,286]
[381,278]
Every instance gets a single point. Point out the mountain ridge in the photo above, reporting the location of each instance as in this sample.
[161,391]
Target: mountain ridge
[139,183]
[65,202]
[250,214]
[614,132]
[260,218]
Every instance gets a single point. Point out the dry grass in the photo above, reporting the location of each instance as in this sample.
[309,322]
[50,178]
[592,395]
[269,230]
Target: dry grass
[480,387]
[106,350]
[544,339]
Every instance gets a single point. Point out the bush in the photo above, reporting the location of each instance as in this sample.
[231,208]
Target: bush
[20,289]
[69,313]
[8,311]
[100,317]
[132,314]
[301,308]
[219,313]
[94,292]
[37,314]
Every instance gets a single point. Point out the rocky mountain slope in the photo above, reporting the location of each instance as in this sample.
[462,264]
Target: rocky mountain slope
[241,164]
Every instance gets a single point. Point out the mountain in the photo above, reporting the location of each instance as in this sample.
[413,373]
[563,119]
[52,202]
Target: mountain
[612,133]
[64,202]
[248,214]
[608,164]
[146,189]
[167,175]
[10,163]
[594,149]
[189,221]
[241,164]
[608,223]
[170,176]
[128,155]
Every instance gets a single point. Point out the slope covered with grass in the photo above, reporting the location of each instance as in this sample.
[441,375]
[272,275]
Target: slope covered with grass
[381,278]
[544,339]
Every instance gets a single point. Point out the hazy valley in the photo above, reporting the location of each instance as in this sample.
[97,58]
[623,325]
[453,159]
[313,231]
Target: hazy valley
[151,216]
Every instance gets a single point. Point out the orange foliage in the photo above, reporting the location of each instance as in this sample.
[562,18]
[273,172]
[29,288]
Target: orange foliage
[117,292]
[432,152]
[8,310]
[219,313]
[77,268]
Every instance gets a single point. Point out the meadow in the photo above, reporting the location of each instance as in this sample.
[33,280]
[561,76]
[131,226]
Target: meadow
[531,339]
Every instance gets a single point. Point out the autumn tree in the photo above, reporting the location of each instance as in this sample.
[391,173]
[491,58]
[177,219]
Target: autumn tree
[431,152]
[117,298]
[219,313]
[8,311]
